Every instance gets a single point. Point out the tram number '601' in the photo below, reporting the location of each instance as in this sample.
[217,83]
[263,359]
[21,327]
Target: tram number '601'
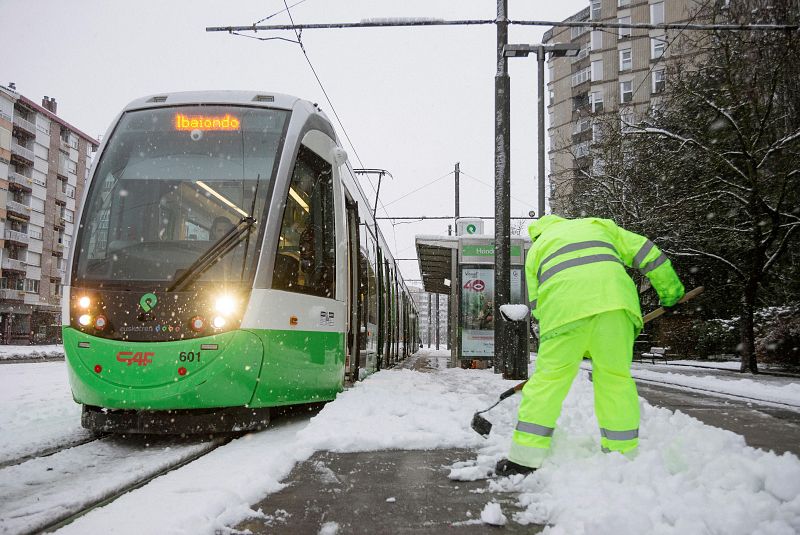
[189,356]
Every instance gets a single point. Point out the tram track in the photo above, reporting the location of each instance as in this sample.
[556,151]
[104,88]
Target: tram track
[39,494]
[50,450]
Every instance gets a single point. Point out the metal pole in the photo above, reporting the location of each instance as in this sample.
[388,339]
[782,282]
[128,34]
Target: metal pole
[457,175]
[540,57]
[437,322]
[429,321]
[502,200]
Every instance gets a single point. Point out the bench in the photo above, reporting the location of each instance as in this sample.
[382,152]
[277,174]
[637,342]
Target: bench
[656,353]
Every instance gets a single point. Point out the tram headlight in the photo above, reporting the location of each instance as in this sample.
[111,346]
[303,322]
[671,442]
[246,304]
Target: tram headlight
[225,305]
[85,320]
[219,322]
[84,302]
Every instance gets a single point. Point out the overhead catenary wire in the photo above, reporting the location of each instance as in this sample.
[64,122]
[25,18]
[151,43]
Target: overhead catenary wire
[325,93]
[395,23]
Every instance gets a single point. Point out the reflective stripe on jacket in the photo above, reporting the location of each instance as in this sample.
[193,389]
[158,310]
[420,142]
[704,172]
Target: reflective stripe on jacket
[576,269]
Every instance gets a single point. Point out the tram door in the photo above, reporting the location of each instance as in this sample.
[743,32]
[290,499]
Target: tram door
[353,293]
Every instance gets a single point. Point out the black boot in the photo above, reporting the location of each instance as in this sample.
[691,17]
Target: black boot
[506,468]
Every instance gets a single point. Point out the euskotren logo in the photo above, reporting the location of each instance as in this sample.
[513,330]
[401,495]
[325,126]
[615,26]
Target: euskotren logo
[148,301]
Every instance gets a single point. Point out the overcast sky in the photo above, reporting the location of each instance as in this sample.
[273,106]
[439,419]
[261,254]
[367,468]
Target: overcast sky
[413,100]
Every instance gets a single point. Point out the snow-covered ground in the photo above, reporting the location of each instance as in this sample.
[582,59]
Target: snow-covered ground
[688,477]
[36,409]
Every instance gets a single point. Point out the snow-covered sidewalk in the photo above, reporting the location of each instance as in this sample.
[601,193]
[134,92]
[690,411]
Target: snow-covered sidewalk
[688,477]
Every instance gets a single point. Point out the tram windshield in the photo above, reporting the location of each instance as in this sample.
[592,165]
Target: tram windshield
[169,184]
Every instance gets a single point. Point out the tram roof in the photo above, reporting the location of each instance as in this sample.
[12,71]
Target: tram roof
[436,261]
[247,98]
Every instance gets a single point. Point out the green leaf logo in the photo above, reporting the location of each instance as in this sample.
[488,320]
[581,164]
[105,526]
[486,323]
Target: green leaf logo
[148,302]
[471,229]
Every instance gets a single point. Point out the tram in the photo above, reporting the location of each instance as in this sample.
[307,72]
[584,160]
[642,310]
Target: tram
[227,262]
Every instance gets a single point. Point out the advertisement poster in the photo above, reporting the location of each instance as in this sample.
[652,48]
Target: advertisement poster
[477,309]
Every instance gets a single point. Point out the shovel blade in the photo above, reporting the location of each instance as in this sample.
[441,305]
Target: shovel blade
[481,425]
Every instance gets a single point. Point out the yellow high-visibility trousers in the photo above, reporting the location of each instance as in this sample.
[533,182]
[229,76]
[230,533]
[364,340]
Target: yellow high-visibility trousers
[606,338]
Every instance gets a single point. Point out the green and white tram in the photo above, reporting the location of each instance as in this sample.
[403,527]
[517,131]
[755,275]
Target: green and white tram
[227,261]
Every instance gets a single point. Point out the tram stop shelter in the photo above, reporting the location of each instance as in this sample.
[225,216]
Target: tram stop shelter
[463,268]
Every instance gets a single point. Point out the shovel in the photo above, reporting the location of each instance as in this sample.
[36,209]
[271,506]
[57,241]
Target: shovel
[483,427]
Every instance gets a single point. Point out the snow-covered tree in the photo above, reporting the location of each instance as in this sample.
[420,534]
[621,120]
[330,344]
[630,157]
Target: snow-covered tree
[713,171]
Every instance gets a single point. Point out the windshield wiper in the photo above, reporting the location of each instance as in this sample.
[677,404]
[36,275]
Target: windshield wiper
[218,249]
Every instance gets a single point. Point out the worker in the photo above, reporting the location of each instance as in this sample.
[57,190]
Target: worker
[587,306]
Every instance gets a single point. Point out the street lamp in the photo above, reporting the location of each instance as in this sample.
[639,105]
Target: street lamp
[556,50]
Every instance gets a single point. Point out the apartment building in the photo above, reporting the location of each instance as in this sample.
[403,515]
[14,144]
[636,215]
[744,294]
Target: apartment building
[426,314]
[44,165]
[618,71]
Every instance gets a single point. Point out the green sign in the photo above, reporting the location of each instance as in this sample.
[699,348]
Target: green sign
[471,229]
[486,250]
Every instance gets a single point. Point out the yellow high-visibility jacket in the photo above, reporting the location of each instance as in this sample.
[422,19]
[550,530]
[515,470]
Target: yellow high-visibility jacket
[575,269]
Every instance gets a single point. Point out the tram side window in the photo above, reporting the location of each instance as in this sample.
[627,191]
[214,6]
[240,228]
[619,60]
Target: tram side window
[306,259]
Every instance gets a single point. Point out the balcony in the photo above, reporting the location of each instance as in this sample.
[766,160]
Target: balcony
[12,264]
[22,153]
[20,181]
[58,249]
[18,209]
[25,125]
[60,222]
[57,272]
[15,236]
[61,197]
[12,295]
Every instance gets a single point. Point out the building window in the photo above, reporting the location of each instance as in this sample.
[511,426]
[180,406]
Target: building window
[657,13]
[657,47]
[622,3]
[596,101]
[597,70]
[34,259]
[577,31]
[625,60]
[582,125]
[551,96]
[624,32]
[581,150]
[581,76]
[597,6]
[597,39]
[626,92]
[32,286]
[659,80]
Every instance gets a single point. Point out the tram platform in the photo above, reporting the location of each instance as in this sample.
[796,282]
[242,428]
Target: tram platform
[400,491]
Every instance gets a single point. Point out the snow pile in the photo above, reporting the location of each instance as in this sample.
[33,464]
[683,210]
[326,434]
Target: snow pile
[492,514]
[404,409]
[687,478]
[31,352]
[329,528]
[788,393]
[515,312]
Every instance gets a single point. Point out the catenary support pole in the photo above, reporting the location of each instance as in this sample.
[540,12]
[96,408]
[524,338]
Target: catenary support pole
[502,201]
[437,321]
[457,174]
[429,321]
[540,56]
